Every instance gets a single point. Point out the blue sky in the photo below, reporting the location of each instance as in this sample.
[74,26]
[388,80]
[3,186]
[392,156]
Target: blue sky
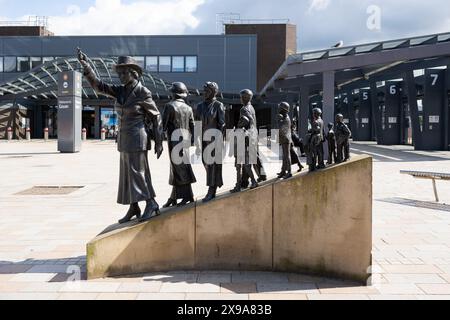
[321,23]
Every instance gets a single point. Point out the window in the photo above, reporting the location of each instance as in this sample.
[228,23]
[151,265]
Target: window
[1,64]
[191,64]
[35,62]
[151,64]
[165,64]
[9,64]
[47,59]
[177,64]
[23,64]
[140,61]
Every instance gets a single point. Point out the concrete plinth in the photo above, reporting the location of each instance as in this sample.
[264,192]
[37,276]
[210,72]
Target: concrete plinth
[318,223]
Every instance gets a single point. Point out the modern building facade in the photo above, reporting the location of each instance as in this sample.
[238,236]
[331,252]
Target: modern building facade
[229,60]
[246,56]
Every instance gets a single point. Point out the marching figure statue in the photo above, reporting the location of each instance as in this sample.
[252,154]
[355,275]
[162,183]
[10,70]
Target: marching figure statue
[139,122]
[246,126]
[285,139]
[258,167]
[315,141]
[331,138]
[211,113]
[343,135]
[297,141]
[178,118]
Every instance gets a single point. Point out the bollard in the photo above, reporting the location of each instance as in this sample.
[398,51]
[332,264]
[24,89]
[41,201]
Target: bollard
[10,133]
[28,135]
[84,134]
[103,134]
[46,134]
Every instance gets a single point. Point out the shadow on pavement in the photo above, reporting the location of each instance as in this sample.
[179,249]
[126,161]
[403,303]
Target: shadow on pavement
[6,155]
[64,269]
[418,204]
[393,154]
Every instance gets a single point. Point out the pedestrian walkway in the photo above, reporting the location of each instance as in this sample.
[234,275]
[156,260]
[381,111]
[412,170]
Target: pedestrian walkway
[43,237]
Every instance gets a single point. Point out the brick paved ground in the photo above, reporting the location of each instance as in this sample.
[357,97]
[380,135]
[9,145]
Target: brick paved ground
[44,237]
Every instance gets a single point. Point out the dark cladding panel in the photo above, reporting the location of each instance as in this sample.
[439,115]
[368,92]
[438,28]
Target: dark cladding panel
[60,46]
[211,46]
[433,110]
[342,107]
[238,59]
[23,46]
[390,115]
[364,117]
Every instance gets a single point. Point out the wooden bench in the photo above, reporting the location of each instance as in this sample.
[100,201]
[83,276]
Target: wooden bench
[430,176]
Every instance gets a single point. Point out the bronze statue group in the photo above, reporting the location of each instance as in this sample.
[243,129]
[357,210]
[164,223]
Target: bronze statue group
[141,123]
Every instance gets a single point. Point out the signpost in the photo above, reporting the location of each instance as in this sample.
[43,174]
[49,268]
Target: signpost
[69,111]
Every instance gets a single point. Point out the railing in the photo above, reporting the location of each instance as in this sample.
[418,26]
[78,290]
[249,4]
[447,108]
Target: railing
[256,21]
[33,21]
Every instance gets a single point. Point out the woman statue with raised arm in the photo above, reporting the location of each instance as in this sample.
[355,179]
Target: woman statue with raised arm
[139,122]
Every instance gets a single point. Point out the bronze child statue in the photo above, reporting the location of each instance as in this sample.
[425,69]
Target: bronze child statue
[331,138]
[137,111]
[178,123]
[285,139]
[258,167]
[247,127]
[211,113]
[296,143]
[343,135]
[315,141]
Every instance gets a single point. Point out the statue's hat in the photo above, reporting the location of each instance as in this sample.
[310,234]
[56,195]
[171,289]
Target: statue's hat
[179,89]
[126,61]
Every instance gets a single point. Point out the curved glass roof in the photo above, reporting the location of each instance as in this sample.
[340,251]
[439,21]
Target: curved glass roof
[42,81]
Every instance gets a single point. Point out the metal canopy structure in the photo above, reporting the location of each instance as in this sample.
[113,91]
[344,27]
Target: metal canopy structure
[332,72]
[361,63]
[40,85]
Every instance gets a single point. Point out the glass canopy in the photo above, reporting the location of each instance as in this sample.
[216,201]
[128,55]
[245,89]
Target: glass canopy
[41,82]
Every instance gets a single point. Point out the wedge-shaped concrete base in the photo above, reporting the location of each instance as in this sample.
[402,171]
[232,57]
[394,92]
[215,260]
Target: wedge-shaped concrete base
[318,223]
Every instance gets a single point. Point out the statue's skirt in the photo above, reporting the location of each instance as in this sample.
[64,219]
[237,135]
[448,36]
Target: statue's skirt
[135,181]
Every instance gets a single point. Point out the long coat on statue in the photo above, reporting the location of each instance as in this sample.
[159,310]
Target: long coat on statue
[177,115]
[212,116]
[139,123]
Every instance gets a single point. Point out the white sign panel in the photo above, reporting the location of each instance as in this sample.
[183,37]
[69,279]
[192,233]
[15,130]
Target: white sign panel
[365,120]
[434,119]
[392,120]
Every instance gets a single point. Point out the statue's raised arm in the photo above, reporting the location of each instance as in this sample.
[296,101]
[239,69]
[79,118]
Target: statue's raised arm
[135,109]
[96,83]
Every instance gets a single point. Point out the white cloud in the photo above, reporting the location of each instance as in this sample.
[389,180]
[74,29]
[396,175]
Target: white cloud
[113,17]
[318,5]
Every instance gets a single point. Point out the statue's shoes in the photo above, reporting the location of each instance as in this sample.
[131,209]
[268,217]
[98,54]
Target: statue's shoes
[236,190]
[254,186]
[149,211]
[288,176]
[281,175]
[185,202]
[262,179]
[170,203]
[209,198]
[130,216]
